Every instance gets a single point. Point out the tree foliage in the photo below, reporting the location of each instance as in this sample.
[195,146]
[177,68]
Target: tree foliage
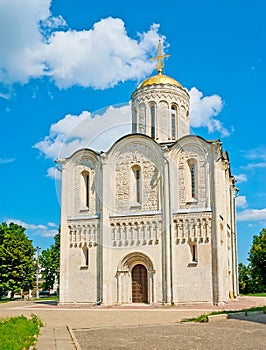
[252,278]
[49,261]
[17,265]
[245,283]
[257,258]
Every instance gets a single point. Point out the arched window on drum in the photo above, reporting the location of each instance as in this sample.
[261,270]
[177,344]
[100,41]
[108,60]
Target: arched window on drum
[153,119]
[173,122]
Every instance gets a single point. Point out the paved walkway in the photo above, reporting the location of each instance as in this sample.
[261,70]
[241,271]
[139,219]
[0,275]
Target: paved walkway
[60,320]
[218,335]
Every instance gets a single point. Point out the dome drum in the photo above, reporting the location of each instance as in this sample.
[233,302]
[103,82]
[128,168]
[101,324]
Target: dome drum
[160,109]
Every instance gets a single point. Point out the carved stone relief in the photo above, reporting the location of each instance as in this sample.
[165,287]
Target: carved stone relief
[89,165]
[84,233]
[142,119]
[159,93]
[163,129]
[201,200]
[136,231]
[182,112]
[192,227]
[131,155]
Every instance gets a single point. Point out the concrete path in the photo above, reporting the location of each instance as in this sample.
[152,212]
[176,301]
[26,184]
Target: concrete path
[60,320]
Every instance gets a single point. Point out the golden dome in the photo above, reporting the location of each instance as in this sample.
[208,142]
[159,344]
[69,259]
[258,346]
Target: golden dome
[159,79]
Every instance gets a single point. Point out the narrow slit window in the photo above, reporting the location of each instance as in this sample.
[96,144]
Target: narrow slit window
[153,121]
[86,256]
[193,181]
[137,184]
[193,253]
[87,189]
[173,122]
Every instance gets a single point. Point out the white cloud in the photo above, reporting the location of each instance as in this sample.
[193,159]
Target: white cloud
[40,230]
[3,95]
[204,109]
[258,165]
[53,173]
[100,57]
[241,178]
[49,233]
[35,44]
[252,215]
[256,158]
[20,39]
[86,130]
[97,131]
[256,153]
[5,160]
[241,201]
[52,224]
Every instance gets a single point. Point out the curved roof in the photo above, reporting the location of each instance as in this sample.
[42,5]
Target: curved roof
[159,79]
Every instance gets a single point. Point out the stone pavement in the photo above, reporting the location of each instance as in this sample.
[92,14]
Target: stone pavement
[53,338]
[219,335]
[60,320]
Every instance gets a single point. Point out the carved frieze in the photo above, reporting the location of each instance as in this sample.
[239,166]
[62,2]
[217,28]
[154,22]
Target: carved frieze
[194,227]
[83,233]
[158,92]
[136,231]
[148,97]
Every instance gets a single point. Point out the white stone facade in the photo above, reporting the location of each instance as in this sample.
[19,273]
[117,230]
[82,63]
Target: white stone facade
[153,219]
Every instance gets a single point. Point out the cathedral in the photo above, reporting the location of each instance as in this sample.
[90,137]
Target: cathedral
[152,220]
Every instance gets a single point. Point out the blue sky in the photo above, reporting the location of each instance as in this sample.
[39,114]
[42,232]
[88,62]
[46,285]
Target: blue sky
[67,71]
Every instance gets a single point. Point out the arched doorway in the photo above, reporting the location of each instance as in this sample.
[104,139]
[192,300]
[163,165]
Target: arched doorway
[139,284]
[135,279]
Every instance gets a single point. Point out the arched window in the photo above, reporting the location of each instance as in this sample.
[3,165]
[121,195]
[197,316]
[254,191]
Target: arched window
[173,121]
[192,178]
[85,189]
[136,184]
[153,116]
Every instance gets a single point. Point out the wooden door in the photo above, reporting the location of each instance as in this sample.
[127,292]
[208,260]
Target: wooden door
[139,284]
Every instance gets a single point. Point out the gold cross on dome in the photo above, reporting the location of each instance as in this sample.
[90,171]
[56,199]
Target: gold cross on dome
[159,58]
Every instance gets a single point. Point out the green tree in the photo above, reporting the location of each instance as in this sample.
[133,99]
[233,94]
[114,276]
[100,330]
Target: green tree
[244,277]
[17,264]
[49,261]
[257,258]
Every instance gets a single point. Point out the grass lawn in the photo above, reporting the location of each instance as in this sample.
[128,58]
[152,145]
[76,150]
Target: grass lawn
[255,295]
[204,317]
[48,298]
[19,333]
[4,300]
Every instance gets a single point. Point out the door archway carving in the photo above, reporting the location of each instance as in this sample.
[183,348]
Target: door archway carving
[135,279]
